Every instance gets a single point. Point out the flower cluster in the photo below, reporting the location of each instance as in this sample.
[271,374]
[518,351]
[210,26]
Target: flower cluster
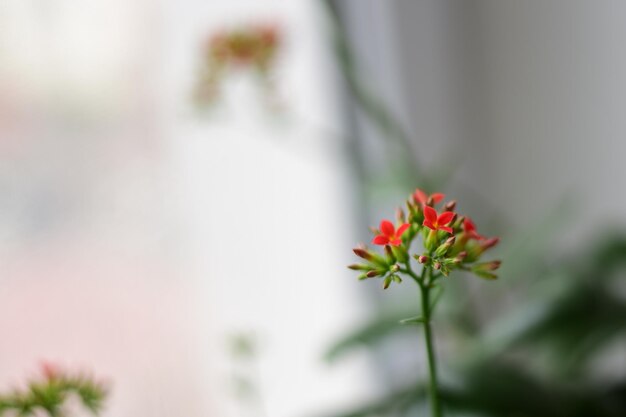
[251,47]
[49,393]
[449,242]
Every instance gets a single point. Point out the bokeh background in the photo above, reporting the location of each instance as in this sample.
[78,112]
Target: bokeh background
[194,254]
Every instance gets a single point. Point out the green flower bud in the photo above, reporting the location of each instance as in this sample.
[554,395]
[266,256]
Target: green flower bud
[387,282]
[486,266]
[445,246]
[400,216]
[431,240]
[400,253]
[390,256]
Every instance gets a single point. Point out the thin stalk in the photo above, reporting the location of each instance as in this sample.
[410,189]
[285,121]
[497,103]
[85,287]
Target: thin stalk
[373,107]
[424,282]
[433,388]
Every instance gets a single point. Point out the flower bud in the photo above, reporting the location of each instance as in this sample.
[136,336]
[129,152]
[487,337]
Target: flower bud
[460,257]
[394,268]
[387,282]
[489,243]
[423,259]
[458,222]
[397,279]
[413,213]
[362,253]
[390,256]
[450,205]
[374,273]
[437,265]
[486,275]
[400,216]
[359,267]
[400,253]
[431,239]
[486,244]
[443,248]
[487,266]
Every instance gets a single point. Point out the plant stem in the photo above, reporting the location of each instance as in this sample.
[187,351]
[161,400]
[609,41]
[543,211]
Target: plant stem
[432,366]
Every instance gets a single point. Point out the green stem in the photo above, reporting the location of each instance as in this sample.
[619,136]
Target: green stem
[432,366]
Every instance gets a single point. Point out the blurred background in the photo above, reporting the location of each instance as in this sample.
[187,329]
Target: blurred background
[179,223]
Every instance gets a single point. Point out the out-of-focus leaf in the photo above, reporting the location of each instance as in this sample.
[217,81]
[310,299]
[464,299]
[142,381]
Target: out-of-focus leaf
[497,389]
[412,320]
[368,335]
[578,325]
[576,316]
[525,253]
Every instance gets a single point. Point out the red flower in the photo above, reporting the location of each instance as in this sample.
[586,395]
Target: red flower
[470,229]
[422,198]
[437,222]
[389,235]
[50,370]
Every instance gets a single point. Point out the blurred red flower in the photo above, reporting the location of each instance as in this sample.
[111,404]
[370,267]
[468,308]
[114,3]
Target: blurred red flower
[422,198]
[470,229]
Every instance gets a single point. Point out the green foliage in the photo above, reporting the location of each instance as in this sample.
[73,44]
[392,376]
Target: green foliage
[571,317]
[368,335]
[570,310]
[50,393]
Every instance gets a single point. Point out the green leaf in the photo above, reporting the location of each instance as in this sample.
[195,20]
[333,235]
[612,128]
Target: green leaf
[486,275]
[412,320]
[369,335]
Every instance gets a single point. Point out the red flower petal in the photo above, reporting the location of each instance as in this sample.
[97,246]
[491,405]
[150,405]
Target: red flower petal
[437,197]
[445,217]
[468,225]
[429,224]
[387,228]
[396,242]
[402,229]
[380,240]
[446,229]
[430,214]
[420,196]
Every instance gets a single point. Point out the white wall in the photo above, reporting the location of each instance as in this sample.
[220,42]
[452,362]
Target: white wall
[527,96]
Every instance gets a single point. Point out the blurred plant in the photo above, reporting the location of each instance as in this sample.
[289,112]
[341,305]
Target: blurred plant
[246,375]
[449,243]
[537,359]
[50,391]
[554,349]
[249,48]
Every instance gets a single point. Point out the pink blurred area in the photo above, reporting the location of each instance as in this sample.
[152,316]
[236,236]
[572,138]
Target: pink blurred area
[119,319]
[137,235]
